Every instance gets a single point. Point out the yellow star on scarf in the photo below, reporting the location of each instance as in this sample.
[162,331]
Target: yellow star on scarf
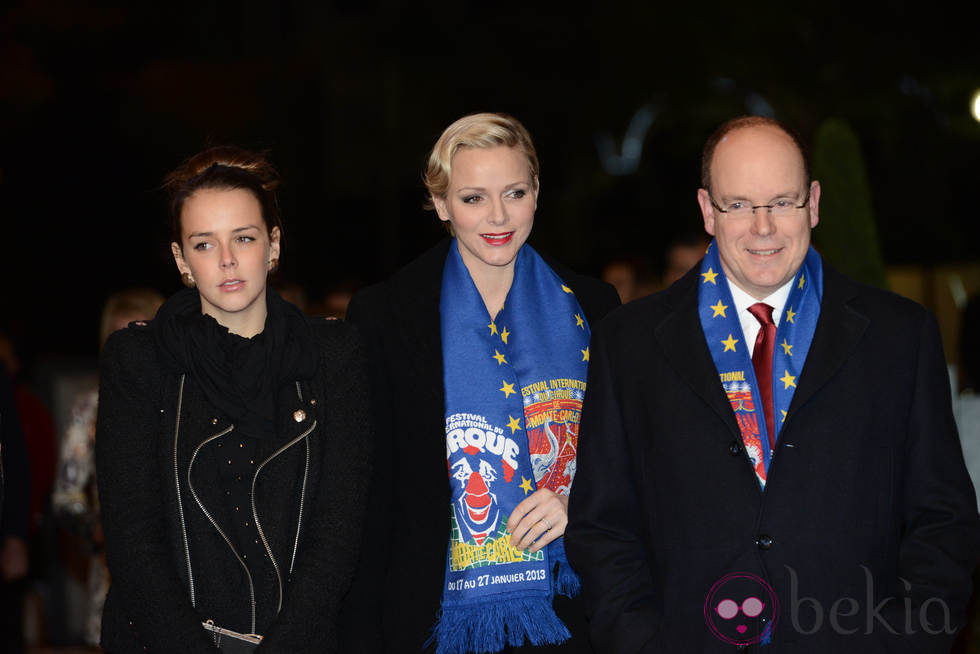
[729,344]
[784,414]
[788,379]
[513,423]
[787,348]
[526,485]
[719,309]
[566,289]
[585,354]
[802,279]
[493,328]
[499,357]
[579,322]
[709,277]
[503,335]
[790,314]
[507,389]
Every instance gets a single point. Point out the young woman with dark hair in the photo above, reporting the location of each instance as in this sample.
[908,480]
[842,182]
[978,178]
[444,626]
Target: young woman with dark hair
[233,440]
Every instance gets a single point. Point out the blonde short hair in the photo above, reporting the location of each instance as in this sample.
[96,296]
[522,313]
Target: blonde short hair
[141,303]
[485,130]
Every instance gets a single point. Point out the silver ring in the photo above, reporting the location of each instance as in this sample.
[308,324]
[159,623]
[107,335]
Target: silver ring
[547,524]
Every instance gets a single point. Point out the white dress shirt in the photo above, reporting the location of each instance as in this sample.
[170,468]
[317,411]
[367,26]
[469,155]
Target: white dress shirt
[750,324]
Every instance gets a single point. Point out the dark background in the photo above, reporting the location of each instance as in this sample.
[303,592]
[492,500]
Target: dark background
[98,103]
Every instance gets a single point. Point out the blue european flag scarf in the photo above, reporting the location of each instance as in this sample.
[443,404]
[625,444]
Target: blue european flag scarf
[514,387]
[731,354]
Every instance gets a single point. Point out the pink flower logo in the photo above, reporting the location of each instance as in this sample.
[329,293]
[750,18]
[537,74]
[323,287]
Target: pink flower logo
[741,609]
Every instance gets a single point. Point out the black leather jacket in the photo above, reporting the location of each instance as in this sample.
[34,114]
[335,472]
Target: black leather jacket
[171,549]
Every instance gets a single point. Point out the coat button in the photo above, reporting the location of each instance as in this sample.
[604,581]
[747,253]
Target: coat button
[313,402]
[214,421]
[299,415]
[764,542]
[733,448]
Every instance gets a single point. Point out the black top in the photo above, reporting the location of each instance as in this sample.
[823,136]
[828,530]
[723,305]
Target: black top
[159,448]
[236,466]
[396,598]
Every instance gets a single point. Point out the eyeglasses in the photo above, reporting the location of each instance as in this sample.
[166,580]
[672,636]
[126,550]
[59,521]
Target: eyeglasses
[779,209]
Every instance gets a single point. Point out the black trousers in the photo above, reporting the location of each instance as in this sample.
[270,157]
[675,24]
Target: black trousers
[12,616]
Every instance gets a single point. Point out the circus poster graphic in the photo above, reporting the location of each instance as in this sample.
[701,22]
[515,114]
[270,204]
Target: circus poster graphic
[552,411]
[482,461]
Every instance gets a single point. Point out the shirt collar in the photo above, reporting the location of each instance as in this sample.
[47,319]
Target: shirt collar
[776,300]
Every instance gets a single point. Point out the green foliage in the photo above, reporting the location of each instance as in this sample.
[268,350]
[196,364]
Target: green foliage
[846,235]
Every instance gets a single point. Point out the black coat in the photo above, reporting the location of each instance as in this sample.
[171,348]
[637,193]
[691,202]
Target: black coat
[151,426]
[866,486]
[15,499]
[396,598]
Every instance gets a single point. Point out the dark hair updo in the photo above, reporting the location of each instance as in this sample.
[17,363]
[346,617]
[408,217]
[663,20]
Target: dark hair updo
[225,167]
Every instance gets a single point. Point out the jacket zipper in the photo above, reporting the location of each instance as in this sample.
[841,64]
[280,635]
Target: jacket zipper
[302,498]
[214,523]
[180,502]
[255,515]
[302,493]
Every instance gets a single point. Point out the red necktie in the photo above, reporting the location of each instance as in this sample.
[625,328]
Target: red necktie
[762,362]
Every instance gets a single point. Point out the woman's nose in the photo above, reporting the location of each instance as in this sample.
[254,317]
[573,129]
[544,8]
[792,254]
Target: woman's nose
[228,258]
[498,214]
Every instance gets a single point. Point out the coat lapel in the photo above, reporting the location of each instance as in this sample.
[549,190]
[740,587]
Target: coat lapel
[418,289]
[682,341]
[414,296]
[839,330]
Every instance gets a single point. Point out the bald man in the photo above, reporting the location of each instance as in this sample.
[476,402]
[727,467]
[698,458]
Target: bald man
[767,458]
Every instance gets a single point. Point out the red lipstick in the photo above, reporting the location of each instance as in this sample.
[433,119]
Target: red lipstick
[501,238]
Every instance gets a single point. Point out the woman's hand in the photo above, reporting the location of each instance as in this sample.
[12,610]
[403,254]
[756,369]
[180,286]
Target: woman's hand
[539,519]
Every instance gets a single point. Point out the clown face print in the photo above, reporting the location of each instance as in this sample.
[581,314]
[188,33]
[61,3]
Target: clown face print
[479,457]
[476,508]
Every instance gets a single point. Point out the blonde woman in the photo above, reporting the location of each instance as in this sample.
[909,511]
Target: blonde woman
[478,352]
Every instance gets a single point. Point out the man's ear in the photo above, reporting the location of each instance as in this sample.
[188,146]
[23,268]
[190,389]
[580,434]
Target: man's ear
[814,205]
[707,211]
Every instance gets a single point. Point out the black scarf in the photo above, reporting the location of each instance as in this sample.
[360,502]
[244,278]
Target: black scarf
[241,377]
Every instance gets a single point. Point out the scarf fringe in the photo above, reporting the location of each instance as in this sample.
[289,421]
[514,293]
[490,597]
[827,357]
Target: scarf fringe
[487,627]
